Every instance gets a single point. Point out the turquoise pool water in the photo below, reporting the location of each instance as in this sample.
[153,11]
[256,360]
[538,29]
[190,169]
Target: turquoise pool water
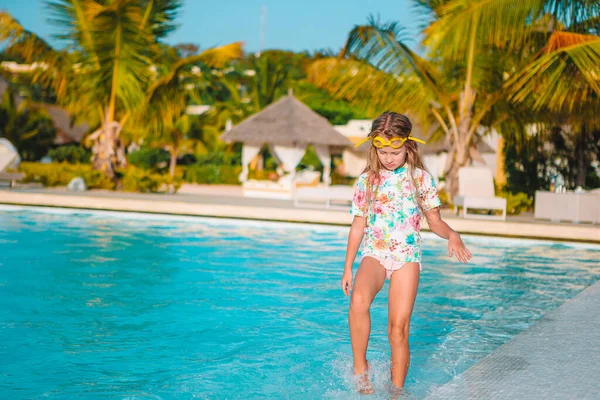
[130,306]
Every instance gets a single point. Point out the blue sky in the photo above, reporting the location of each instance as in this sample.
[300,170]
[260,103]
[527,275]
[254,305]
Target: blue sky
[291,25]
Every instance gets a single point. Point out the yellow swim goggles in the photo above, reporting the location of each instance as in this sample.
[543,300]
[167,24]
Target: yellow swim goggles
[394,143]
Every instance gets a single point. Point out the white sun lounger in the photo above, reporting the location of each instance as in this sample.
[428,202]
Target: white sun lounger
[9,159]
[330,197]
[476,191]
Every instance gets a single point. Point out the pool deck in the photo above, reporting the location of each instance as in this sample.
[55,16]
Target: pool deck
[557,358]
[227,202]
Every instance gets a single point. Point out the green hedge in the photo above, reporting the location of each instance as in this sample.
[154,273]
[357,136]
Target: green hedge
[131,179]
[516,203]
[72,154]
[218,167]
[337,179]
[60,174]
[149,159]
[135,179]
[212,173]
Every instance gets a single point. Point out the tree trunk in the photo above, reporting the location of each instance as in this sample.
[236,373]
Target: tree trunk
[104,151]
[460,156]
[500,164]
[120,154]
[103,157]
[580,153]
[173,163]
[460,159]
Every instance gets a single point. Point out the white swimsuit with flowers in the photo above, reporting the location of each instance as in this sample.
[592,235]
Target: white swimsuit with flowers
[393,218]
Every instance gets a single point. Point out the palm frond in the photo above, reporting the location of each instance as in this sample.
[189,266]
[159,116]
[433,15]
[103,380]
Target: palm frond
[121,47]
[500,23]
[378,45]
[590,26]
[214,57]
[21,42]
[426,10]
[559,40]
[159,16]
[369,88]
[55,69]
[579,16]
[565,77]
[166,100]
[74,17]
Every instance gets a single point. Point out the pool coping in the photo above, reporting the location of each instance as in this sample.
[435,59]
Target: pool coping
[558,357]
[87,201]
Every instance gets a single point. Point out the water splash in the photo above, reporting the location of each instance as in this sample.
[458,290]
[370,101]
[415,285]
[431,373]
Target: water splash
[341,373]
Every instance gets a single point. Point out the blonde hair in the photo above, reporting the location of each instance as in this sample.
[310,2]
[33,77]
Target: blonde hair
[390,125]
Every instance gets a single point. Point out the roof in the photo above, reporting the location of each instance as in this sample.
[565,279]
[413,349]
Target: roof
[359,128]
[286,122]
[61,118]
[66,132]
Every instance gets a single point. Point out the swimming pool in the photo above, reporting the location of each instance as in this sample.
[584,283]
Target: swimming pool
[124,305]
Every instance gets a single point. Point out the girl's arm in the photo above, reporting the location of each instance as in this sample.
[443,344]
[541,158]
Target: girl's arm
[357,231]
[443,230]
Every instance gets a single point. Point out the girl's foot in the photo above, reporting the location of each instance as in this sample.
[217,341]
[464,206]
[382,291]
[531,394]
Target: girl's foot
[397,392]
[363,381]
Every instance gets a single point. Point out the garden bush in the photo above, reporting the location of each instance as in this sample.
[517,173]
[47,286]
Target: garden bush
[73,154]
[60,174]
[150,159]
[133,179]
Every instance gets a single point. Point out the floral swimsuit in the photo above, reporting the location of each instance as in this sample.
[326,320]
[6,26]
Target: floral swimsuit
[393,219]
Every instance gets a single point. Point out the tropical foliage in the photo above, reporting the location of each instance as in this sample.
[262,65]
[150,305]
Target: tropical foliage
[480,58]
[25,125]
[111,66]
[529,70]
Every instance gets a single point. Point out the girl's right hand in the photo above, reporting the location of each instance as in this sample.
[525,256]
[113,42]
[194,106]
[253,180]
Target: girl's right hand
[347,282]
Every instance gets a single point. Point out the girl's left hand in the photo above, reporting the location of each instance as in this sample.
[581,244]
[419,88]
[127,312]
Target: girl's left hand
[458,248]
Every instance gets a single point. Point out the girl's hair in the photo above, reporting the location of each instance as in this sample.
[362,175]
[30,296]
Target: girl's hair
[390,125]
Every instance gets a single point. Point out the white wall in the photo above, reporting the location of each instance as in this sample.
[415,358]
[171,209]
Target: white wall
[354,163]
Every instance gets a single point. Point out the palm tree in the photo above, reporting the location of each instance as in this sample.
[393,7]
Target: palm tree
[274,72]
[473,50]
[163,113]
[227,92]
[105,73]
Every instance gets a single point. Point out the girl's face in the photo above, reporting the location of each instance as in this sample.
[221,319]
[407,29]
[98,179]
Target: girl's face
[391,158]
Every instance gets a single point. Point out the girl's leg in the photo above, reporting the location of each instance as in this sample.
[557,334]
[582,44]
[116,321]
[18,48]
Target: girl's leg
[367,283]
[403,291]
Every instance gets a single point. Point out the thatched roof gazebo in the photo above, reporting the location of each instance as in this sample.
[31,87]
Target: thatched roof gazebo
[287,127]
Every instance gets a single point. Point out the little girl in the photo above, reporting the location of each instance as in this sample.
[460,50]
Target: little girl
[390,198]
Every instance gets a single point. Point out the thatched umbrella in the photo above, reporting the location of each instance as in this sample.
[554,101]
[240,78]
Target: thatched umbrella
[288,127]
